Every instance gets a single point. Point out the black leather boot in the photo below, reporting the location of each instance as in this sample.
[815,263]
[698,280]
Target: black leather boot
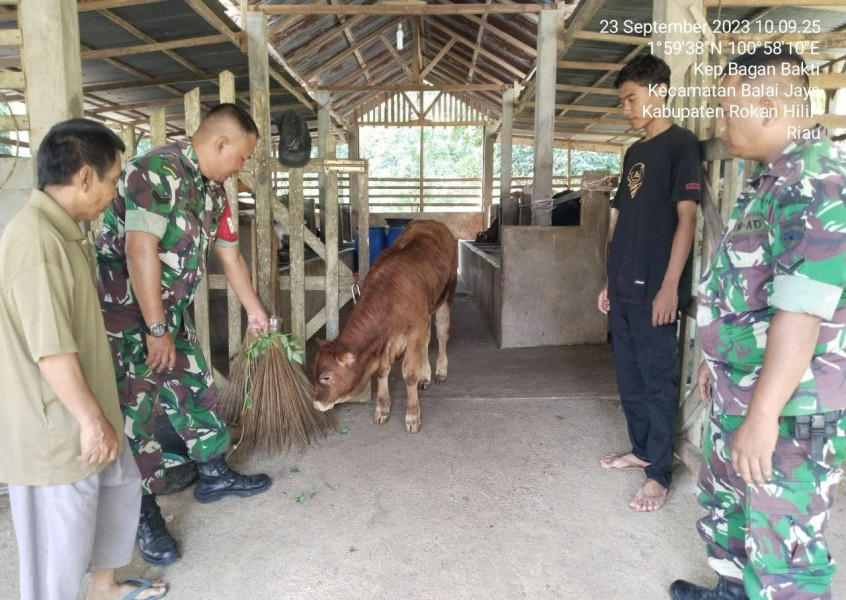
[156,544]
[725,590]
[217,480]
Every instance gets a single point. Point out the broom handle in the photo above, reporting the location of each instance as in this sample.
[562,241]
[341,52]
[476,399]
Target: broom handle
[275,323]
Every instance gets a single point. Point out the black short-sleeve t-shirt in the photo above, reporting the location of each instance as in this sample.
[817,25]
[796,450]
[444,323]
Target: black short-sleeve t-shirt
[657,173]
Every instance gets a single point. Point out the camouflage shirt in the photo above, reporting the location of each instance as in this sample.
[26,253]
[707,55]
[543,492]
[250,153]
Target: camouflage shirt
[164,193]
[784,249]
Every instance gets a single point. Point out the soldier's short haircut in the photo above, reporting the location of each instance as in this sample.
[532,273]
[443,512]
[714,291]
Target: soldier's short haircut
[236,114]
[644,70]
[71,145]
[772,56]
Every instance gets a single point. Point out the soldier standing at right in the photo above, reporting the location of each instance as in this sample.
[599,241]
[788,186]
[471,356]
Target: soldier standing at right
[772,319]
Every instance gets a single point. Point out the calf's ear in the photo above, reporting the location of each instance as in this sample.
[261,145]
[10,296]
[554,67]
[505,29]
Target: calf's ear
[347,359]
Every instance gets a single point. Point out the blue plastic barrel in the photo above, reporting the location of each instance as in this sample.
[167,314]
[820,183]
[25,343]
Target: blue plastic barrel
[393,234]
[376,236]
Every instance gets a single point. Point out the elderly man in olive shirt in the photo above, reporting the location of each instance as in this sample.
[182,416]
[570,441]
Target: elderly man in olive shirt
[73,484]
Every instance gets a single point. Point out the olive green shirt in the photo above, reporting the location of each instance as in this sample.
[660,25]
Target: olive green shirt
[48,306]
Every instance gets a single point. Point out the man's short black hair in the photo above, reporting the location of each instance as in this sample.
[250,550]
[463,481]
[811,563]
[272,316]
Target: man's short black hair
[772,55]
[644,70]
[236,113]
[70,145]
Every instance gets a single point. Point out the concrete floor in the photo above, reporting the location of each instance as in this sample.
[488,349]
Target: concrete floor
[499,496]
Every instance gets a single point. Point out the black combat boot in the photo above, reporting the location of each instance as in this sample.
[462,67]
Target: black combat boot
[156,544]
[218,480]
[725,590]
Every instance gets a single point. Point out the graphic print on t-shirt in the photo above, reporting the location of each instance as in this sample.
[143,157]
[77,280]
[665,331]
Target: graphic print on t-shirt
[635,178]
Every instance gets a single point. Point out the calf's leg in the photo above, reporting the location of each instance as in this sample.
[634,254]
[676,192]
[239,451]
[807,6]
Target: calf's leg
[383,398]
[411,374]
[442,321]
[425,365]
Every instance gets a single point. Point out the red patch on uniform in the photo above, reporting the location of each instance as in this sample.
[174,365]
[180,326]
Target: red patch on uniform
[691,186]
[226,229]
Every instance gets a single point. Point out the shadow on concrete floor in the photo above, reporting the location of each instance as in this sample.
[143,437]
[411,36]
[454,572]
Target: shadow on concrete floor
[499,496]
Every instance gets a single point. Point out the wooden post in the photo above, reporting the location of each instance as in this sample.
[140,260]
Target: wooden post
[363,226]
[201,296]
[233,305]
[506,146]
[353,145]
[544,117]
[488,139]
[256,30]
[158,127]
[421,171]
[51,64]
[129,138]
[323,133]
[297,253]
[330,232]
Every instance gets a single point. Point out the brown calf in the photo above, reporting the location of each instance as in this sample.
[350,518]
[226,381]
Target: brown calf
[412,279]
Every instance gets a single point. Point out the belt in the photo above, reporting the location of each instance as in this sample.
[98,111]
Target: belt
[818,428]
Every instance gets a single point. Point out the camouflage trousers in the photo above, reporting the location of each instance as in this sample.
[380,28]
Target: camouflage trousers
[186,393]
[771,537]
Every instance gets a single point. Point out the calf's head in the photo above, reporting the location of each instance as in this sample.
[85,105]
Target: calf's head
[337,376]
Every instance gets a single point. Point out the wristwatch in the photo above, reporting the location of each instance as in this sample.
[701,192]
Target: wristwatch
[157,329]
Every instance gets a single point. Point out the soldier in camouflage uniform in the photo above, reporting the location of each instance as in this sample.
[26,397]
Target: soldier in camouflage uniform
[151,254]
[772,319]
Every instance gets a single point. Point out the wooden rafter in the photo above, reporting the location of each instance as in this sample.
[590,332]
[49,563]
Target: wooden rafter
[418,87]
[389,8]
[437,58]
[156,81]
[393,52]
[126,26]
[348,34]
[613,38]
[87,5]
[369,38]
[479,35]
[205,40]
[314,46]
[471,44]
[417,47]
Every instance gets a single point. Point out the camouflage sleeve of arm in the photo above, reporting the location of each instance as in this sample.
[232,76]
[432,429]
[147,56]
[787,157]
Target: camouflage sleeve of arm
[809,247]
[148,188]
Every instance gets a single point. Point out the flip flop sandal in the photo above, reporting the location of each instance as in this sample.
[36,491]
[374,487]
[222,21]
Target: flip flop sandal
[143,586]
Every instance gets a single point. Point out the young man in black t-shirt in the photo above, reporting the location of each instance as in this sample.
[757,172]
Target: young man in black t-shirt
[653,217]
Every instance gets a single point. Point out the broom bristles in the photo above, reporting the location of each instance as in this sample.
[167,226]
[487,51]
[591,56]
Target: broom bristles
[230,404]
[282,416]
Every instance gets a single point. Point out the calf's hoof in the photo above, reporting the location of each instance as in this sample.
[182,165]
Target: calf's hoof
[380,418]
[412,427]
[423,384]
[441,377]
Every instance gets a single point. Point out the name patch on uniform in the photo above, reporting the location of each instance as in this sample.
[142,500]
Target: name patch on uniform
[792,232]
[691,186]
[754,224]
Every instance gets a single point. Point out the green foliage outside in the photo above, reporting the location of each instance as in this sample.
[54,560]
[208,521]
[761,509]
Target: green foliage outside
[457,152]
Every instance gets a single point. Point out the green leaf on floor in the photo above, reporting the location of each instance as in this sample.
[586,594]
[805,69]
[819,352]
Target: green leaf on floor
[345,430]
[294,470]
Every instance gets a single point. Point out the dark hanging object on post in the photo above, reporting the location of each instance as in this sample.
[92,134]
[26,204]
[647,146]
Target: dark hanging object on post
[294,139]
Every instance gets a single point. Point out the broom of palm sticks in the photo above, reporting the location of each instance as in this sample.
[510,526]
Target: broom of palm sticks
[277,409]
[230,405]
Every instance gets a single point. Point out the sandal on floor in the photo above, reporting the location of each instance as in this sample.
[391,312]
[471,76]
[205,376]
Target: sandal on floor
[143,586]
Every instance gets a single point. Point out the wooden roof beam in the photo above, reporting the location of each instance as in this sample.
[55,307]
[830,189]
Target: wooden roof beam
[391,8]
[419,87]
[400,60]
[489,55]
[483,23]
[479,36]
[348,34]
[205,40]
[315,45]
[585,89]
[126,26]
[613,38]
[437,58]
[374,35]
[87,5]
[235,38]
[585,108]
[417,47]
[446,65]
[777,3]
[589,65]
[194,77]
